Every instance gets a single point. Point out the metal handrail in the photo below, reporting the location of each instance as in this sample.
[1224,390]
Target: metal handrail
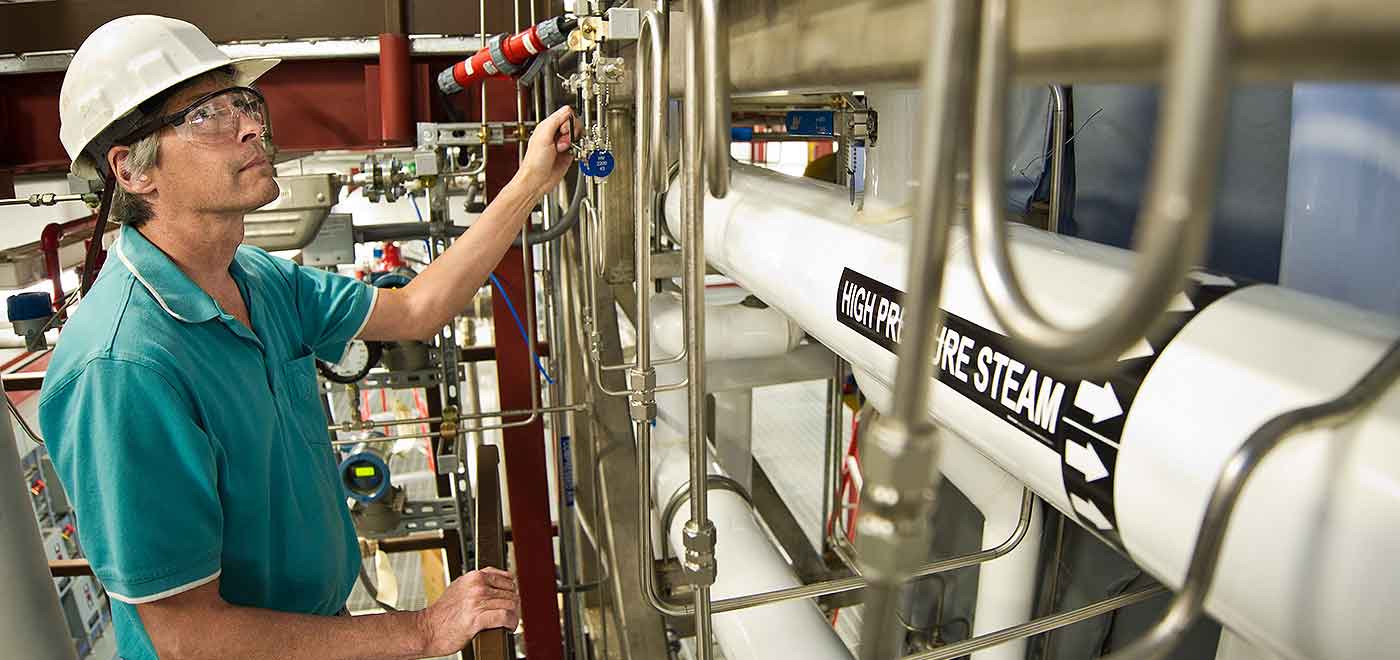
[1174,223]
[1189,603]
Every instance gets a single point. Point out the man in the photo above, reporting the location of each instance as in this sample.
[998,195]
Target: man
[181,406]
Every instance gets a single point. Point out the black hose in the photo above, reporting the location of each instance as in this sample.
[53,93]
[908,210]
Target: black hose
[565,223]
[405,231]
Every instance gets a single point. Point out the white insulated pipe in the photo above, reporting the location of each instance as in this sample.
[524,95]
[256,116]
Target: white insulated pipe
[1005,585]
[746,558]
[1307,570]
[735,331]
[748,563]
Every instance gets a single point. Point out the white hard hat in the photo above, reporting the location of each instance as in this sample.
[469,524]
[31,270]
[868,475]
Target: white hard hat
[126,62]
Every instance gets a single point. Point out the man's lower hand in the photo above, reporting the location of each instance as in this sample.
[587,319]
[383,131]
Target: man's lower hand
[477,601]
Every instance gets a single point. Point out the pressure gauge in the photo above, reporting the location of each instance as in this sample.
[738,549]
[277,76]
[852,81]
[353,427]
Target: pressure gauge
[360,356]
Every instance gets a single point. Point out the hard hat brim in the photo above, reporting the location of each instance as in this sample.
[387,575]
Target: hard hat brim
[245,71]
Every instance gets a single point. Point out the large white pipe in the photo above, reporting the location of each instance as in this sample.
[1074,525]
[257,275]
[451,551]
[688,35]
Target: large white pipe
[732,331]
[747,560]
[1307,570]
[748,563]
[1006,585]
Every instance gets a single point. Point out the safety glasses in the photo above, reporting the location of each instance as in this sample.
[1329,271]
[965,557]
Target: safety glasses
[215,118]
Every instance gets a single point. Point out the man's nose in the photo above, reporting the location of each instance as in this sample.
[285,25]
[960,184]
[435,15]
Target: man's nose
[248,128]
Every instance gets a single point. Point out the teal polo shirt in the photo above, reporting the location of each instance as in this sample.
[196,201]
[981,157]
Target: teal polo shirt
[194,447]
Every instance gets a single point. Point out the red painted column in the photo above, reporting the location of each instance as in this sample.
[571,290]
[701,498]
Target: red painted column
[525,468]
[523,446]
[395,90]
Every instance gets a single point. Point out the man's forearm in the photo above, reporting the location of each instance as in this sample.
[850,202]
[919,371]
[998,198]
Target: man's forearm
[258,634]
[445,288]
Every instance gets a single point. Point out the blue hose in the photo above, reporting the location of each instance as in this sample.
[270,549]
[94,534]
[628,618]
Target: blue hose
[521,327]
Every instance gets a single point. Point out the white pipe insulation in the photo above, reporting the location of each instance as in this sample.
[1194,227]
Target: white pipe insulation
[1307,570]
[747,560]
[1005,585]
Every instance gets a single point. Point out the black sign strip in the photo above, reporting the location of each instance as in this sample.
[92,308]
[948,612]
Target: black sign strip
[1082,421]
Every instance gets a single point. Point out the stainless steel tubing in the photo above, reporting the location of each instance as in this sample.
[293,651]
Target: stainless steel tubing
[698,533]
[714,56]
[650,151]
[652,78]
[1175,220]
[682,496]
[1059,132]
[49,199]
[1188,604]
[898,495]
[835,447]
[651,160]
[842,585]
[1041,625]
[364,425]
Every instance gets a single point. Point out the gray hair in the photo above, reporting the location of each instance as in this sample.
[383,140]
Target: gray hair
[131,209]
[128,208]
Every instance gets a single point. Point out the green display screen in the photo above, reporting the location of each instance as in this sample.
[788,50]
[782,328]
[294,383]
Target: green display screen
[364,470]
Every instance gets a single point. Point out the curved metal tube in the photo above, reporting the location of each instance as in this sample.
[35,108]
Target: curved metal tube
[1174,223]
[714,72]
[823,588]
[652,80]
[1189,603]
[682,495]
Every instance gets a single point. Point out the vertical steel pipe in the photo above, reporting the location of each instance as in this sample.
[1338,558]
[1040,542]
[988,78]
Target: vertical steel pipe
[901,481]
[1059,133]
[699,532]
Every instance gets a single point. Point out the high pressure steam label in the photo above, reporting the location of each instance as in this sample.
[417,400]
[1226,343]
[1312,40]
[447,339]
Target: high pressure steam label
[1081,420]
[872,308]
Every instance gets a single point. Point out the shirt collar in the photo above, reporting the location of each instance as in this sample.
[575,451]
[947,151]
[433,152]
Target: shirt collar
[175,292]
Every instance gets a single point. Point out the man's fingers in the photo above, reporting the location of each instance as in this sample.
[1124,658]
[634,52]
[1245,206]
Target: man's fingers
[487,592]
[491,605]
[498,578]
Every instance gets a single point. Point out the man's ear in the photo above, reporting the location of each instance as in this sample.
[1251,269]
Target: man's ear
[117,158]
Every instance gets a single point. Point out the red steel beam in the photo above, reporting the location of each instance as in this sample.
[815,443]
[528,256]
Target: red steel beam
[523,446]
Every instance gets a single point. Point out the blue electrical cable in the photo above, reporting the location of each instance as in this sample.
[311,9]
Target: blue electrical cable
[509,305]
[521,327]
[414,200]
